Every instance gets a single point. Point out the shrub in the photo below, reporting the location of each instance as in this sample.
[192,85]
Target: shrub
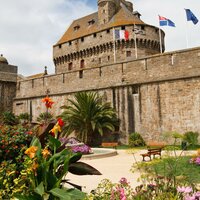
[135,139]
[9,118]
[24,117]
[191,138]
[45,117]
[12,140]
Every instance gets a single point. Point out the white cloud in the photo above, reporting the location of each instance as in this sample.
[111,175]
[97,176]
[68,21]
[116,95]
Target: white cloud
[28,30]
[175,38]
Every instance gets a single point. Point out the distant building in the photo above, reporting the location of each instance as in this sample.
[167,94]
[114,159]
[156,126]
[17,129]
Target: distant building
[8,81]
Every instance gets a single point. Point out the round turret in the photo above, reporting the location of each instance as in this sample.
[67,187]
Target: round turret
[3,59]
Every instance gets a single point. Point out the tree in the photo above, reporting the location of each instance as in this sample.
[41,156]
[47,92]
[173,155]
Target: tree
[88,115]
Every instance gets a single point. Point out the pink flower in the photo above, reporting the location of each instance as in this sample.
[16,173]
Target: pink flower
[197,161]
[123,181]
[184,189]
[122,194]
[188,197]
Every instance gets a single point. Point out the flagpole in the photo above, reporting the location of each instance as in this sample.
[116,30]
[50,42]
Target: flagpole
[136,54]
[160,40]
[186,33]
[114,45]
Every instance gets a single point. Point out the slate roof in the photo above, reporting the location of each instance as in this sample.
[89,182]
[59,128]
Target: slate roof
[122,17]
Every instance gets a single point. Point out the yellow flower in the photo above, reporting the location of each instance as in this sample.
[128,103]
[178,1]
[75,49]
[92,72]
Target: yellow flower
[45,153]
[31,151]
[55,130]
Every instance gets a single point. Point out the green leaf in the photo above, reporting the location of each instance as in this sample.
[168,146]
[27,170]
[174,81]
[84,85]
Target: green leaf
[70,194]
[31,197]
[54,142]
[40,189]
[75,157]
[80,168]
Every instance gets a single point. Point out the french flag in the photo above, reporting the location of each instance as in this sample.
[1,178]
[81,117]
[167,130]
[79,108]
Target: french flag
[165,22]
[121,34]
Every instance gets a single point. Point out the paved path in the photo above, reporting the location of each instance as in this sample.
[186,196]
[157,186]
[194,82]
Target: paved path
[113,168]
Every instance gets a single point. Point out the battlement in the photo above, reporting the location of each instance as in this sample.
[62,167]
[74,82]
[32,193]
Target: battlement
[161,67]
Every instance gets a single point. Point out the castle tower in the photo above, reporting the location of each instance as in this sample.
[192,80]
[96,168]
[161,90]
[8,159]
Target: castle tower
[8,80]
[107,9]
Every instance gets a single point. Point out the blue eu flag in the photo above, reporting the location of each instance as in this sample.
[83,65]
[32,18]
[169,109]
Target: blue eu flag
[191,16]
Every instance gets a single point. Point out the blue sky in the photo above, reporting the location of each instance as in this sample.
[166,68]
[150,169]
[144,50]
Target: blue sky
[29,29]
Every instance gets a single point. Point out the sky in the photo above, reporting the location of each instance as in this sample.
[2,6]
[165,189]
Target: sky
[29,29]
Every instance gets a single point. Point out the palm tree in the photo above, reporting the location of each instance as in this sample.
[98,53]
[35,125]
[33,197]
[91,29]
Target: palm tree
[88,115]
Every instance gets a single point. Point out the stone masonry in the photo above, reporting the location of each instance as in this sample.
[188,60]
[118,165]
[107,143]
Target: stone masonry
[8,81]
[151,95]
[151,92]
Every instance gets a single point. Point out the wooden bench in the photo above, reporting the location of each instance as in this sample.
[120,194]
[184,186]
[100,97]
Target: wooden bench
[109,144]
[152,152]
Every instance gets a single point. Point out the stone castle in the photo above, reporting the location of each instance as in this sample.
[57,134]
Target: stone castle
[151,92]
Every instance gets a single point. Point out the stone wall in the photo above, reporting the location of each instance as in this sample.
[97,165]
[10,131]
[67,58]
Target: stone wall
[151,95]
[99,50]
[8,79]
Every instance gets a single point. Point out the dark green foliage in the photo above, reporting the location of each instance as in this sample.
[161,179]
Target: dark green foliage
[88,115]
[12,140]
[191,138]
[9,118]
[135,140]
[24,117]
[45,118]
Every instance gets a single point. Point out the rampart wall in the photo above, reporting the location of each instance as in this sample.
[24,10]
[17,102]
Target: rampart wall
[151,95]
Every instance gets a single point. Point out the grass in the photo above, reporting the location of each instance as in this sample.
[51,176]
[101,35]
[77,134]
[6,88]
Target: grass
[179,167]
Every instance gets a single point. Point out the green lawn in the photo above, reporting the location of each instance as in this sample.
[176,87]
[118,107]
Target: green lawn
[179,167]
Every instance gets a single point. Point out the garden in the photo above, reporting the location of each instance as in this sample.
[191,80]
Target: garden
[36,158]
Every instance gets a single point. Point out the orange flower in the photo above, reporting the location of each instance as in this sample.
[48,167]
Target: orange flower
[48,102]
[45,153]
[34,166]
[31,151]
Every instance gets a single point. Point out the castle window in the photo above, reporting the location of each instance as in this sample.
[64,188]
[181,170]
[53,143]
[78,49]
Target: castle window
[108,31]
[99,60]
[135,89]
[76,27]
[70,43]
[142,28]
[128,54]
[122,27]
[70,65]
[81,74]
[82,64]
[82,39]
[108,58]
[104,11]
[60,45]
[94,35]
[91,22]
[104,21]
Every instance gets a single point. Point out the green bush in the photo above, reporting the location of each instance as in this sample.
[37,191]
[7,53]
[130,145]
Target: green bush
[12,140]
[135,139]
[45,117]
[191,138]
[9,118]
[24,117]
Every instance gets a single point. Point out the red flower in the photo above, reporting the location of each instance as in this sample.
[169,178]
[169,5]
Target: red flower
[60,122]
[48,102]
[52,134]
